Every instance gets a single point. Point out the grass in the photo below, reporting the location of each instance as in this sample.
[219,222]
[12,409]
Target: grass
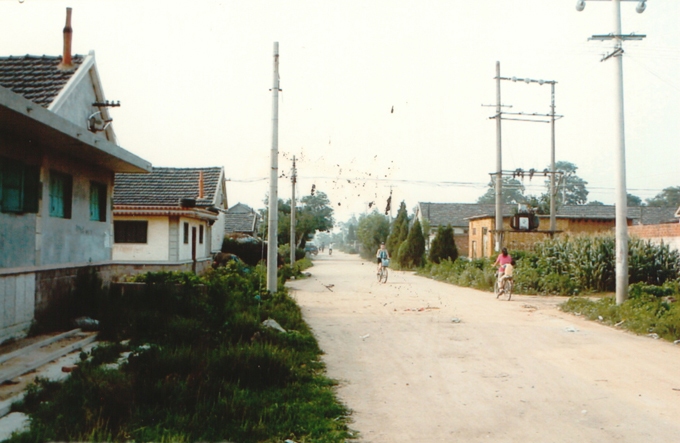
[201,368]
[649,309]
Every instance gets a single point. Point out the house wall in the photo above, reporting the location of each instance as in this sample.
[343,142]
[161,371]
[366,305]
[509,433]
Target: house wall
[524,240]
[668,233]
[202,250]
[78,239]
[156,247]
[17,302]
[77,105]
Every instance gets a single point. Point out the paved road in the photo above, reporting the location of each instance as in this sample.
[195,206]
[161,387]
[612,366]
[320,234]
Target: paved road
[507,372]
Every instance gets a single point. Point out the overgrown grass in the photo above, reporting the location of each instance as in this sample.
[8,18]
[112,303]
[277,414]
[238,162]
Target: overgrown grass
[202,368]
[649,309]
[478,274]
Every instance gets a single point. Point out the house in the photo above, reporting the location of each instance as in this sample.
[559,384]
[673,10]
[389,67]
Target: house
[241,219]
[569,219]
[172,218]
[58,157]
[457,215]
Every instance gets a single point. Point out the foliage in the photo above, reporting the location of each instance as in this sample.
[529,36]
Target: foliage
[477,273]
[512,192]
[202,368]
[572,265]
[633,200]
[398,232]
[443,246]
[669,197]
[649,309]
[412,251]
[249,249]
[372,230]
[315,214]
[571,189]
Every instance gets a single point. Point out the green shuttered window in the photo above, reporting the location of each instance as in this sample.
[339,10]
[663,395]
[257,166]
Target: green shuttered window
[19,186]
[61,190]
[97,201]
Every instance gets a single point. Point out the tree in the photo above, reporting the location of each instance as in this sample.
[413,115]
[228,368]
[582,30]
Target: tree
[669,197]
[412,251]
[595,203]
[372,230]
[315,214]
[634,200]
[443,245]
[398,231]
[512,192]
[571,189]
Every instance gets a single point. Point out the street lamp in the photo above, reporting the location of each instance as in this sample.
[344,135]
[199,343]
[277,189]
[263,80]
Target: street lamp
[620,157]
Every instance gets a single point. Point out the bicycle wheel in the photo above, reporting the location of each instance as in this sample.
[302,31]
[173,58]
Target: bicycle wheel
[496,288]
[384,275]
[508,289]
[380,274]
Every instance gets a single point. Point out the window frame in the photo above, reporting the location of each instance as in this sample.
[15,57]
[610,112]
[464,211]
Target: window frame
[23,182]
[186,233]
[134,234]
[61,206]
[98,198]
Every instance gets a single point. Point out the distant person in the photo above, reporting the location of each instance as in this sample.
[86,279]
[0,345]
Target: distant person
[381,255]
[330,249]
[322,246]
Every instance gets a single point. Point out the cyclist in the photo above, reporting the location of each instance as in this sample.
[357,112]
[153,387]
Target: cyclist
[381,255]
[502,260]
[507,273]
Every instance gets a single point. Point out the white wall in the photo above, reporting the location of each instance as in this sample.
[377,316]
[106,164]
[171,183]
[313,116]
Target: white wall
[156,248]
[202,250]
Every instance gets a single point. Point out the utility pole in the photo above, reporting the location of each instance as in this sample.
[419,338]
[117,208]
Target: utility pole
[272,230]
[499,164]
[293,180]
[620,152]
[553,209]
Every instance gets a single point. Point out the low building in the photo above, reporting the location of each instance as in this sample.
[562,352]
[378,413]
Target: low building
[58,157]
[172,218]
[241,219]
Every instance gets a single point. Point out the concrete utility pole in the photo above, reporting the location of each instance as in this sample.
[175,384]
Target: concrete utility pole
[553,209]
[272,230]
[620,152]
[499,164]
[293,179]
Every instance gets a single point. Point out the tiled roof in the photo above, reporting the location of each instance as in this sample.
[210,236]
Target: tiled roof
[35,77]
[166,186]
[458,214]
[240,218]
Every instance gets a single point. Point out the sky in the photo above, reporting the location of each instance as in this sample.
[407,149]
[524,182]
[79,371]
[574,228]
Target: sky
[377,97]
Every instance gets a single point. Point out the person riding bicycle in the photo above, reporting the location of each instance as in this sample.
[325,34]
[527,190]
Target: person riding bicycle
[502,261]
[381,255]
[507,272]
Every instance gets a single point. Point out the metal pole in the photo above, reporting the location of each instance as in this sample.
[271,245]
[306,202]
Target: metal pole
[499,164]
[293,179]
[620,159]
[272,231]
[553,221]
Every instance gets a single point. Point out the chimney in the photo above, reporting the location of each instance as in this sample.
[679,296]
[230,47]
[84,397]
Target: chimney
[66,62]
[200,185]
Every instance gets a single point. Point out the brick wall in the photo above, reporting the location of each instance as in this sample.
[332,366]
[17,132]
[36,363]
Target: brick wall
[668,233]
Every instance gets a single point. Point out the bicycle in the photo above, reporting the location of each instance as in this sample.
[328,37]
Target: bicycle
[382,274]
[503,286]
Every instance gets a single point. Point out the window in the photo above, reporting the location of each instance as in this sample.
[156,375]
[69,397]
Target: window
[19,186]
[97,201]
[130,231]
[61,189]
[186,233]
[200,234]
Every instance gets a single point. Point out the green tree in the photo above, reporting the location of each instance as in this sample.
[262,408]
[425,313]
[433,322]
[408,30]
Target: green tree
[571,189]
[634,200]
[412,251]
[443,245]
[372,230]
[398,231]
[315,214]
[668,197]
[512,192]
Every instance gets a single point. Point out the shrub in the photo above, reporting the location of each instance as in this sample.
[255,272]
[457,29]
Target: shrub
[412,251]
[443,246]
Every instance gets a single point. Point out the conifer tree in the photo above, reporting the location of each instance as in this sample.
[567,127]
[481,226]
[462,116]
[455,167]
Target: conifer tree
[398,232]
[443,246]
[412,252]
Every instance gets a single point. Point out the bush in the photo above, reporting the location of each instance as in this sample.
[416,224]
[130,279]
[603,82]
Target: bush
[412,251]
[443,246]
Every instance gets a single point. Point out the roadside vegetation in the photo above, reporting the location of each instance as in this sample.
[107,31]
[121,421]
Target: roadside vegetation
[201,366]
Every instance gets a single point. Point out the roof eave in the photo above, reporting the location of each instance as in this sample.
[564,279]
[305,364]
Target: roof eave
[31,123]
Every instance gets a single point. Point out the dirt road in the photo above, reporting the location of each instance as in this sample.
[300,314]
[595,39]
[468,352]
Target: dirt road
[517,371]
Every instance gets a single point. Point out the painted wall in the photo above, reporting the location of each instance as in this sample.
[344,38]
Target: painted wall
[17,302]
[156,248]
[202,249]
[77,105]
[78,239]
